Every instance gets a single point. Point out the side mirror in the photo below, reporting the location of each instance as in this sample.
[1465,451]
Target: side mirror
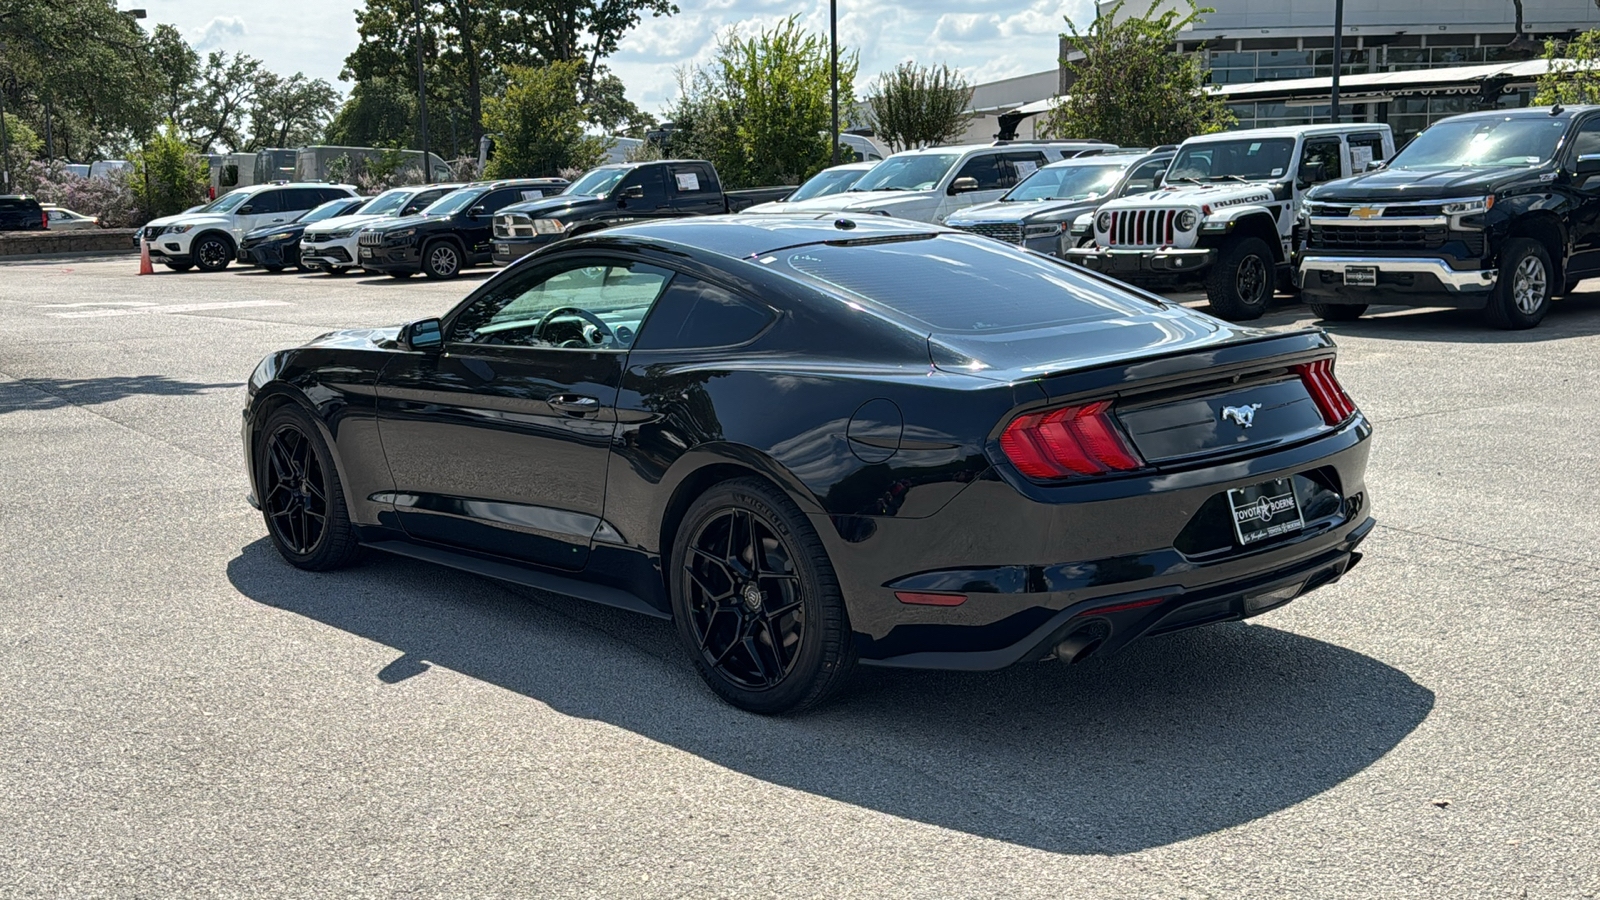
[964,185]
[1587,164]
[423,334]
[633,192]
[1311,173]
[1159,180]
[478,211]
[245,209]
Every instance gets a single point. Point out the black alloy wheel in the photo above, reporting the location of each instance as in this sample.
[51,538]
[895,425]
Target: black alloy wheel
[1240,283]
[757,603]
[441,259]
[212,253]
[301,498]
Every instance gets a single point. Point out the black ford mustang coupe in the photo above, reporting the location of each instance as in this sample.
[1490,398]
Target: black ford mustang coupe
[814,443]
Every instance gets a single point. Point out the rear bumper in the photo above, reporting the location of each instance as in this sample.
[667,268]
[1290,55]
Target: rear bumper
[1133,262]
[1412,281]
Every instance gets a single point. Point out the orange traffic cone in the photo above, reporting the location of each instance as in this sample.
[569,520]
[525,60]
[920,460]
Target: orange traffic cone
[144,259]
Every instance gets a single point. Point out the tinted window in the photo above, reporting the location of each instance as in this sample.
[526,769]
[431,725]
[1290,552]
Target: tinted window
[650,179]
[266,202]
[10,203]
[496,199]
[1144,177]
[298,199]
[328,194]
[692,313]
[987,171]
[519,310]
[692,180]
[956,283]
[1587,140]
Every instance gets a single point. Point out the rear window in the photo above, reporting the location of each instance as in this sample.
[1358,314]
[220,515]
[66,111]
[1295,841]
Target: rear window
[959,284]
[14,203]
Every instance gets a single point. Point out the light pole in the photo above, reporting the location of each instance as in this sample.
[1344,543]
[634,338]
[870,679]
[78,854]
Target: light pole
[833,70]
[1338,58]
[422,99]
[5,138]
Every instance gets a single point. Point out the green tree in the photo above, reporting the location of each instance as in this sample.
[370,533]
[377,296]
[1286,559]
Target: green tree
[22,147]
[1126,86]
[289,112]
[760,110]
[214,117]
[538,123]
[379,113]
[1574,77]
[916,106]
[167,177]
[177,68]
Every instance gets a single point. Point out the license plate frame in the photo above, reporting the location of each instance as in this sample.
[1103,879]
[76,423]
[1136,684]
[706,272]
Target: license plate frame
[502,249]
[1264,511]
[1361,276]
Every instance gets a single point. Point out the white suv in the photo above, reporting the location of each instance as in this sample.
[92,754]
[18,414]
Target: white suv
[209,236]
[330,245]
[928,185]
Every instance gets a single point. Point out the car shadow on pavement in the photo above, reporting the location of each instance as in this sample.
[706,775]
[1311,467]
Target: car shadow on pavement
[1575,316]
[1177,737]
[54,393]
[468,275]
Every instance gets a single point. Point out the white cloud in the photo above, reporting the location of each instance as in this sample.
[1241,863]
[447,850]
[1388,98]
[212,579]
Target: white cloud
[220,31]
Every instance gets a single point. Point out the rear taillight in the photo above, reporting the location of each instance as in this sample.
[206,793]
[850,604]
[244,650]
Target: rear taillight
[1066,443]
[1335,405]
[44,220]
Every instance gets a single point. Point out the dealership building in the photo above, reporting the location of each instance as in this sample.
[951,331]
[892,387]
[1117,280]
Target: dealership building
[1407,64]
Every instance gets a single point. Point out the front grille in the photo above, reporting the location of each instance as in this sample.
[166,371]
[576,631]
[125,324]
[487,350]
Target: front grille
[317,238]
[1010,232]
[513,225]
[1377,237]
[370,239]
[1142,227]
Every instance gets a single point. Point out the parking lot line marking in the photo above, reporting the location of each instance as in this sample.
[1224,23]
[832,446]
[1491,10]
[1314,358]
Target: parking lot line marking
[168,309]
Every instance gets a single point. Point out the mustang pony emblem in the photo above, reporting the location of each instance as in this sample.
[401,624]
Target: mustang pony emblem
[1243,416]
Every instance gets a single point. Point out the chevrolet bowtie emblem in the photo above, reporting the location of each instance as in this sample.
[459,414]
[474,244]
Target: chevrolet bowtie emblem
[1366,212]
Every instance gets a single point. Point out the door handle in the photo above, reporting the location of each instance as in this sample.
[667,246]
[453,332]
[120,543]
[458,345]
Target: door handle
[575,404]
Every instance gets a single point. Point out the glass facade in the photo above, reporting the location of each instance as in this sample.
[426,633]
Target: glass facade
[1406,115]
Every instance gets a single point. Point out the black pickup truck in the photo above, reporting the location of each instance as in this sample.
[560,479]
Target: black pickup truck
[611,195]
[1498,211]
[451,234]
[19,212]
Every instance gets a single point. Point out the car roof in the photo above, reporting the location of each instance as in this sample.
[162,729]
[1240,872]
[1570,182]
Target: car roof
[744,236]
[1287,131]
[257,188]
[1529,112]
[999,148]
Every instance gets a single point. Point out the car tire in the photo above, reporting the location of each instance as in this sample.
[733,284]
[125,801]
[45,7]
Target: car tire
[1522,294]
[1240,283]
[441,259]
[302,501]
[179,267]
[767,632]
[1338,312]
[273,269]
[211,252]
[401,274]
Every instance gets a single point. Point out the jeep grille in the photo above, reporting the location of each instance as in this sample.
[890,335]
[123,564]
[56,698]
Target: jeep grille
[1142,227]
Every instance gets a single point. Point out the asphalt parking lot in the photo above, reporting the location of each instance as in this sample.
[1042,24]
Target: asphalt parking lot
[184,715]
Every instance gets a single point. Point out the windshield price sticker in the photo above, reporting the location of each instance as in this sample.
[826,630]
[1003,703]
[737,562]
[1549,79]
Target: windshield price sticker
[688,181]
[1026,168]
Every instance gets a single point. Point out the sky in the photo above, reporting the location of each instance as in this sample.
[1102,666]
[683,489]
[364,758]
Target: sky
[986,39]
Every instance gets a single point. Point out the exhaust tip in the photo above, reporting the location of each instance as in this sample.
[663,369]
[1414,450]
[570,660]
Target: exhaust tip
[1082,643]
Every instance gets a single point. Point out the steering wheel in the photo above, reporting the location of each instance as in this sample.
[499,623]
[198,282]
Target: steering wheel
[601,328]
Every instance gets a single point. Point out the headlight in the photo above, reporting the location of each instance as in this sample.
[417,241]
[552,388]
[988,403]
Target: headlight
[178,229]
[1187,220]
[1042,231]
[548,226]
[1103,221]
[396,236]
[1475,205]
[280,236]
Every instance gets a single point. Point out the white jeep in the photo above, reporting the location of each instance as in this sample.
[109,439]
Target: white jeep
[1227,214]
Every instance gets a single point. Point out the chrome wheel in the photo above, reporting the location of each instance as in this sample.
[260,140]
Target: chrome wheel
[1250,280]
[1529,285]
[296,490]
[744,599]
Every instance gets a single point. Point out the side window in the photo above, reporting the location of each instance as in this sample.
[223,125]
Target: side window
[651,180]
[1587,140]
[266,202]
[689,180]
[987,170]
[493,201]
[333,194]
[1021,165]
[1143,177]
[229,176]
[692,313]
[300,199]
[1320,162]
[1364,150]
[583,304]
